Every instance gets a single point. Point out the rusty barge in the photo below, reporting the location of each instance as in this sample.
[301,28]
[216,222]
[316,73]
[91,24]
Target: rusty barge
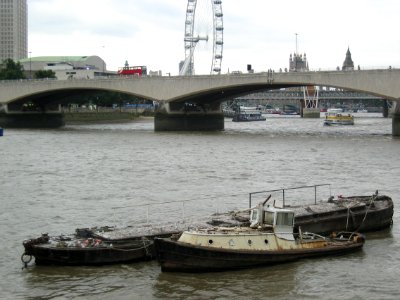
[93,246]
[353,213]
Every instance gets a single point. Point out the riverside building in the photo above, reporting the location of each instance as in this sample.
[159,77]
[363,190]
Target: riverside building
[13,29]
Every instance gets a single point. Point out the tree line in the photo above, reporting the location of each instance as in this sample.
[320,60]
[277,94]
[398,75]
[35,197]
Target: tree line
[11,70]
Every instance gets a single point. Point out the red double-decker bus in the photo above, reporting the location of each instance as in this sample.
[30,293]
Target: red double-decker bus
[133,71]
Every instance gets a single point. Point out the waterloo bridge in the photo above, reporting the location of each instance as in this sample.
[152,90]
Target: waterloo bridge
[190,102]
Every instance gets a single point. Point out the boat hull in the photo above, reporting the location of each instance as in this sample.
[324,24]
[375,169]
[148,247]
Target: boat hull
[48,254]
[338,122]
[372,216]
[357,213]
[242,119]
[175,256]
[248,116]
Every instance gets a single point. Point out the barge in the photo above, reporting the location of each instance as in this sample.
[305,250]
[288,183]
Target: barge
[92,246]
[352,213]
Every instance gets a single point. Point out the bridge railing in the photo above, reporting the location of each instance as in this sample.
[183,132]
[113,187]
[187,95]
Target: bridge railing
[108,78]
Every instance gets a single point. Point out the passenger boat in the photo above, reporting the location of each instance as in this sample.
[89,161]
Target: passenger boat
[351,213]
[248,115]
[89,246]
[337,118]
[268,240]
[335,110]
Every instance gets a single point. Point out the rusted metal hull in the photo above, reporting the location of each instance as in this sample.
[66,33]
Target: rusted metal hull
[92,256]
[371,216]
[175,256]
[356,213]
[91,246]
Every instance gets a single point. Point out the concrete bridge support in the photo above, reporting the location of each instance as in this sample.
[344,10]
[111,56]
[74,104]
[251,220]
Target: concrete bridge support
[31,120]
[183,117]
[311,113]
[20,116]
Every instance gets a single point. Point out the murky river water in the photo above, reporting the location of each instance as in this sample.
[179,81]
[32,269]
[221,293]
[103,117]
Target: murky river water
[57,180]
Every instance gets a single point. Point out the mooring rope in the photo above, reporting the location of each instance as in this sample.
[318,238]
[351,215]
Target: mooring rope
[366,212]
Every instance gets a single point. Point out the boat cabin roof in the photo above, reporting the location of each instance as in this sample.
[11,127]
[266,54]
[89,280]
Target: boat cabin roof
[337,114]
[271,216]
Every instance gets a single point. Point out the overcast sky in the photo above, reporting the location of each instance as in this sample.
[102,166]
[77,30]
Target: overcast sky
[257,32]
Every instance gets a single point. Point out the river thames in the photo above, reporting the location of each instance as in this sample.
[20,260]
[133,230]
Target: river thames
[54,181]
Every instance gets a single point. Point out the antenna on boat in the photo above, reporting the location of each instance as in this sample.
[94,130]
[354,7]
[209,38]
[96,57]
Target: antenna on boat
[266,200]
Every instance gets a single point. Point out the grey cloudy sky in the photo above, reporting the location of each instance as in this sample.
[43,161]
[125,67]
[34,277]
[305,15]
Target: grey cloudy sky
[257,32]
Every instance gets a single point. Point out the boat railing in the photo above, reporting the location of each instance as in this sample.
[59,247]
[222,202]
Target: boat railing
[285,190]
[174,213]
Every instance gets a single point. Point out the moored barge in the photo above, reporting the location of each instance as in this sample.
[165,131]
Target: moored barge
[352,213]
[91,246]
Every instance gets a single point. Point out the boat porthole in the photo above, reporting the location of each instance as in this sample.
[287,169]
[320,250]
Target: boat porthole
[266,241]
[249,242]
[231,242]
[210,242]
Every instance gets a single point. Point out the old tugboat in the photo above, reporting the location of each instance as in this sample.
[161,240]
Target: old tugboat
[90,246]
[268,240]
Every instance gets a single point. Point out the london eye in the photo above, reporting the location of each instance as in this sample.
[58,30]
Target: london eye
[203,38]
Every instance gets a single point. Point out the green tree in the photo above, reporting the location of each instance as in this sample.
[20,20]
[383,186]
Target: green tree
[10,70]
[45,74]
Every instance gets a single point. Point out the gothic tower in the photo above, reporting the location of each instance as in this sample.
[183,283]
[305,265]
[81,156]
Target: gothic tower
[348,64]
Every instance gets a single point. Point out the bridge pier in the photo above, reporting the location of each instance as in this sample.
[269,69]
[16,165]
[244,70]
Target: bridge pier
[181,117]
[31,120]
[17,117]
[396,125]
[311,113]
[309,104]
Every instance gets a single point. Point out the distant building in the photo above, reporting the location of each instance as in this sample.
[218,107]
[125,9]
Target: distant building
[67,67]
[298,63]
[348,64]
[13,29]
[155,73]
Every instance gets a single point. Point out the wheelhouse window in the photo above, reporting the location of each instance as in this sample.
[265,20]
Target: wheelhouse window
[269,218]
[285,218]
[254,215]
